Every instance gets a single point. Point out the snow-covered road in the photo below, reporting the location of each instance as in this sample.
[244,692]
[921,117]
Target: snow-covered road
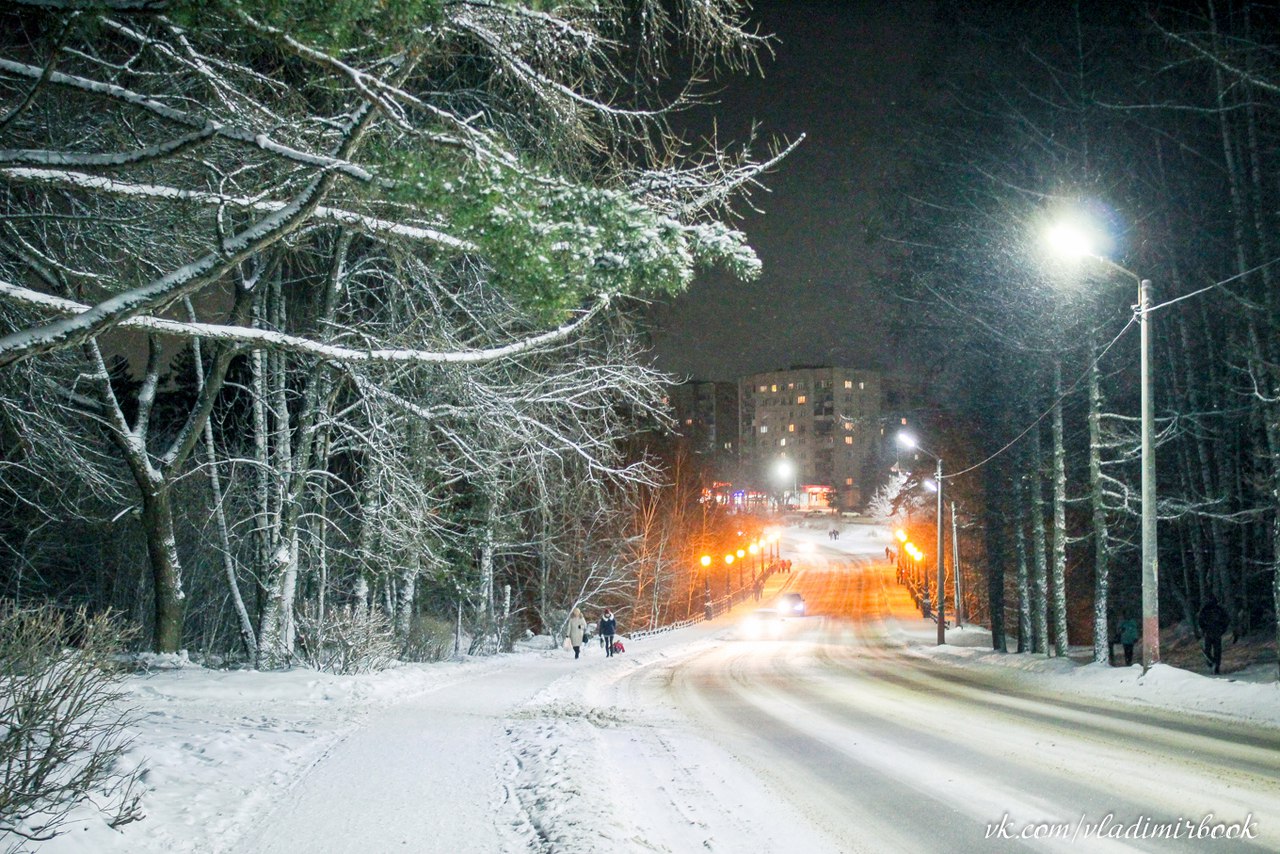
[881,750]
[850,732]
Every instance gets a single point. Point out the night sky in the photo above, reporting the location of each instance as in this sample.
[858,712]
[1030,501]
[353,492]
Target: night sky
[843,75]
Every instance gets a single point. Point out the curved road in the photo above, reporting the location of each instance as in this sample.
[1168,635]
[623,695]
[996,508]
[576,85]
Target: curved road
[882,750]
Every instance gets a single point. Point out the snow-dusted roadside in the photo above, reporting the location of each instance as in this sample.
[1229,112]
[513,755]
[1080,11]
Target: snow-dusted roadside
[532,751]
[1163,687]
[221,746]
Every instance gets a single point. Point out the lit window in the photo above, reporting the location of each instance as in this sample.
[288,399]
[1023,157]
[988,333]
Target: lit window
[773,387]
[801,399]
[861,386]
[764,387]
[904,422]
[848,425]
[848,481]
[848,383]
[688,421]
[848,440]
[782,443]
[764,428]
[791,428]
[791,386]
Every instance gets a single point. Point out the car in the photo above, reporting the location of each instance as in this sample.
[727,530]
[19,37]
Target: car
[791,605]
[762,623]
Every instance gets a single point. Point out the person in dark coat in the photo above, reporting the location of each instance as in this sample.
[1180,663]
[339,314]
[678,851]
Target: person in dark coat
[1214,621]
[608,627]
[1128,632]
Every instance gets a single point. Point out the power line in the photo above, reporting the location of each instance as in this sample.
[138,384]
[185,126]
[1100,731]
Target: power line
[1074,385]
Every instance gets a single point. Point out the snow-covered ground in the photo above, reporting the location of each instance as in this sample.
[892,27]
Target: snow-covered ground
[531,751]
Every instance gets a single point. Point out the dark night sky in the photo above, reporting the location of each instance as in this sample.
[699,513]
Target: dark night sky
[843,74]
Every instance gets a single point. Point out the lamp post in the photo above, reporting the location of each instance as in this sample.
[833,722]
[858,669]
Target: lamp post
[955,568]
[786,470]
[910,442]
[1072,240]
[706,584]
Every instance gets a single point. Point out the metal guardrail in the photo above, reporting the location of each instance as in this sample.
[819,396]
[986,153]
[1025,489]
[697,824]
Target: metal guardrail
[717,607]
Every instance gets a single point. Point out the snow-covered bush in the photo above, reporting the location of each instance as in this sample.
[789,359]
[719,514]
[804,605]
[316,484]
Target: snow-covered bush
[63,728]
[430,639]
[346,640]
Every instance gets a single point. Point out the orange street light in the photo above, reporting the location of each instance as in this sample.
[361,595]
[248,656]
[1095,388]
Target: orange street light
[902,536]
[706,560]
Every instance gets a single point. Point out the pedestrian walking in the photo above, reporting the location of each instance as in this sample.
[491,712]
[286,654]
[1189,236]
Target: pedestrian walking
[1129,632]
[1214,622]
[577,630]
[608,628]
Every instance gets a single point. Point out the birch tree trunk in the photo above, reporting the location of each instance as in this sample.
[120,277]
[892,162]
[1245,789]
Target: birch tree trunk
[1101,545]
[1023,585]
[1059,518]
[1040,564]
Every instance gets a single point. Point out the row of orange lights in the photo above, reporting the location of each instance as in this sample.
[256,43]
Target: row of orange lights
[907,546]
[754,548]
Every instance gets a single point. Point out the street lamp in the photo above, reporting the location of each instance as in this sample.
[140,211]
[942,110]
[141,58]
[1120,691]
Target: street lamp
[785,470]
[1073,240]
[909,441]
[705,560]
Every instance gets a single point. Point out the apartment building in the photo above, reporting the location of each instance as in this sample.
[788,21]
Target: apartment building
[825,422]
[706,415]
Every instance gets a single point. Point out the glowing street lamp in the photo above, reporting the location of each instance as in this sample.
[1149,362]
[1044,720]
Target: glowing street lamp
[785,470]
[909,441]
[1076,239]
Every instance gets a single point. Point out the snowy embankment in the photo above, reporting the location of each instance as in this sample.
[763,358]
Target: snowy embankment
[520,752]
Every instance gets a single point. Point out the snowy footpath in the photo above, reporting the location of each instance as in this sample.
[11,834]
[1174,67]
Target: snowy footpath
[527,752]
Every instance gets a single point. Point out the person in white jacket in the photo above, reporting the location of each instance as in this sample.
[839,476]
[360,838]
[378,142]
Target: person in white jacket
[577,628]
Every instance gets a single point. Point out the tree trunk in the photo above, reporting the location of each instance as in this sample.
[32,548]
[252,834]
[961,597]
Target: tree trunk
[166,570]
[1040,564]
[1023,582]
[1101,546]
[1059,518]
[996,484]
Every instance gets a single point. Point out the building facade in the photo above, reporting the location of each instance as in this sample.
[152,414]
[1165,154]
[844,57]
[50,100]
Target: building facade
[812,436]
[706,415]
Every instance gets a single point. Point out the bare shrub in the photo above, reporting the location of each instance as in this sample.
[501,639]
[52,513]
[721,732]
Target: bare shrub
[63,729]
[430,639]
[346,640]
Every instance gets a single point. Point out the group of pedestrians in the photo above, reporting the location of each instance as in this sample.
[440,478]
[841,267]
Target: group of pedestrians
[1212,620]
[606,630]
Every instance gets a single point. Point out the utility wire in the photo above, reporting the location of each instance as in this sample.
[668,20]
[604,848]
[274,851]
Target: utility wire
[1074,385]
[1225,281]
[1094,363]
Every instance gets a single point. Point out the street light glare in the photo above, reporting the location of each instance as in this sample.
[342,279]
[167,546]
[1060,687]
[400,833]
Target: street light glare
[1070,240]
[784,468]
[906,440]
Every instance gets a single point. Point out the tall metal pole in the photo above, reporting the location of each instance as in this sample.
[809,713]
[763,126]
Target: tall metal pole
[1150,559]
[942,566]
[955,565]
